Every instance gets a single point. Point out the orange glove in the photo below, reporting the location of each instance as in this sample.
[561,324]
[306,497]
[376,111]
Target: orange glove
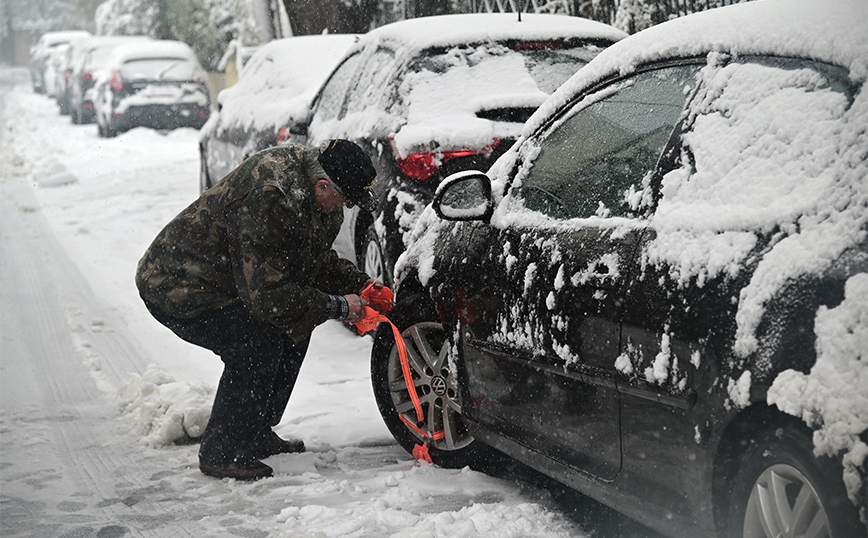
[380,299]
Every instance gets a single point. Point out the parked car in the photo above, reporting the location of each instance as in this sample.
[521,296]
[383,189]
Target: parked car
[87,65]
[40,52]
[156,83]
[658,295]
[275,89]
[404,88]
[69,54]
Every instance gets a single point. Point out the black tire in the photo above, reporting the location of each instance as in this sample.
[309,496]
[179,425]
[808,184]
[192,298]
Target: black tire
[372,258]
[427,344]
[782,489]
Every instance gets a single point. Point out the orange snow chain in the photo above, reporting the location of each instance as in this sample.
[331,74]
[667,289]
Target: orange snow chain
[368,323]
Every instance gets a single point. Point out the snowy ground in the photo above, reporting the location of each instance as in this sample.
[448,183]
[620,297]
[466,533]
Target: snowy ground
[93,391]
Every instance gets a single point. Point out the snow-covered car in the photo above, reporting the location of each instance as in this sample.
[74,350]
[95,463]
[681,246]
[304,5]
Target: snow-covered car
[659,295]
[87,65]
[275,90]
[429,96]
[152,83]
[69,54]
[40,53]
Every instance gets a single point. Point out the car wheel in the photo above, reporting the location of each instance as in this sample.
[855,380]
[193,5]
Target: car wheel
[373,260]
[435,383]
[73,116]
[782,489]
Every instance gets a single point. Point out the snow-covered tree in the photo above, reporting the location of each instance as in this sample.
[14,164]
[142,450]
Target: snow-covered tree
[206,25]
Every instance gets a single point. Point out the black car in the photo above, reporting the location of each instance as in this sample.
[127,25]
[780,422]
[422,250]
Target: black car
[151,83]
[405,88]
[658,295]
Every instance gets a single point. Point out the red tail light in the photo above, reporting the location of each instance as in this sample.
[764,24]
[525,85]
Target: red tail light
[86,75]
[423,166]
[283,135]
[115,81]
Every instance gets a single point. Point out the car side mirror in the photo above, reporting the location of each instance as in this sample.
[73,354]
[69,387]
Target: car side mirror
[464,196]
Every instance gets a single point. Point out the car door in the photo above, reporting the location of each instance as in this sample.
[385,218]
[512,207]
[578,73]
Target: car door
[544,336]
[680,375]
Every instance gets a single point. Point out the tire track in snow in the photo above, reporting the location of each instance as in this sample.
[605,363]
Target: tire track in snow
[60,431]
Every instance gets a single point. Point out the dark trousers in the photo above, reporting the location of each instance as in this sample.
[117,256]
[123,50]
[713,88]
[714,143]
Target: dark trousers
[260,367]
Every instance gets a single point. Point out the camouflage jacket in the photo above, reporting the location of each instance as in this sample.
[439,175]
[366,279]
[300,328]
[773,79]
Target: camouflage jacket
[256,238]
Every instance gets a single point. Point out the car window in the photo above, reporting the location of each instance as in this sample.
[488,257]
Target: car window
[588,162]
[159,69]
[370,89]
[331,98]
[761,139]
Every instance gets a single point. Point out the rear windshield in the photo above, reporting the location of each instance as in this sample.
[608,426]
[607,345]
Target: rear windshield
[548,63]
[159,69]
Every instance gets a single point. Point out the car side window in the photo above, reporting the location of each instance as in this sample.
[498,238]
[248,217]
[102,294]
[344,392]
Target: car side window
[331,98]
[599,152]
[373,81]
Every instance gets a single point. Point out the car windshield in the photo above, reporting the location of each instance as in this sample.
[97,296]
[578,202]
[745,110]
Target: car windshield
[159,69]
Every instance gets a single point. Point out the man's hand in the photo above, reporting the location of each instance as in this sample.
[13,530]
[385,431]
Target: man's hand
[378,296]
[357,307]
[372,282]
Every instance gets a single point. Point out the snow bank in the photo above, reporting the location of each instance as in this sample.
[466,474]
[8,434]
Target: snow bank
[163,411]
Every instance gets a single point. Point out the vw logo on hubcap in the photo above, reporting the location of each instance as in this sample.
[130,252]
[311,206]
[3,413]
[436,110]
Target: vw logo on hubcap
[438,385]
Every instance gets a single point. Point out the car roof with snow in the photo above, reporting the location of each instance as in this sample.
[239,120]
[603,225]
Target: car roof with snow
[50,39]
[833,31]
[446,30]
[151,49]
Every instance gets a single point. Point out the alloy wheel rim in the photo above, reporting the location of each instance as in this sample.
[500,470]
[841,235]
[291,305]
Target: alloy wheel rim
[784,504]
[374,261]
[427,350]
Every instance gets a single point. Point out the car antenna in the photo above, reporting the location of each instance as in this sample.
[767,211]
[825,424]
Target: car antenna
[520,6]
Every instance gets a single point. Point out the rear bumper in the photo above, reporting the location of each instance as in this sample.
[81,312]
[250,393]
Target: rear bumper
[161,117]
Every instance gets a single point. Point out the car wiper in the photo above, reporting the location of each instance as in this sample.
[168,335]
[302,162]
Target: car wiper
[166,70]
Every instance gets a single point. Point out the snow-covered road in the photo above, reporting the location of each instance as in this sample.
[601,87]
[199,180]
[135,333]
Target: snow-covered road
[93,391]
